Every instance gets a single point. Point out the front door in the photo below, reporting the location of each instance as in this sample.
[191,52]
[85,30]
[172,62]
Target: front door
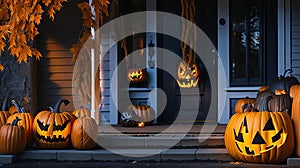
[247,46]
[205,19]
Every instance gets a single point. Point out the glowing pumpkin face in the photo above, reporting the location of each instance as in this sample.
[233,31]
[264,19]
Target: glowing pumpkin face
[260,141]
[187,76]
[52,129]
[136,75]
[262,137]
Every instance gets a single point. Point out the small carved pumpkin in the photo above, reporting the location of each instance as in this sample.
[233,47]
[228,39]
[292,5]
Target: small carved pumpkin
[137,75]
[82,112]
[52,128]
[84,133]
[244,105]
[4,113]
[12,138]
[262,137]
[26,120]
[188,77]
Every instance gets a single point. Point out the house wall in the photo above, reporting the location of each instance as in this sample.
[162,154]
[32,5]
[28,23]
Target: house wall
[55,69]
[17,80]
[295,37]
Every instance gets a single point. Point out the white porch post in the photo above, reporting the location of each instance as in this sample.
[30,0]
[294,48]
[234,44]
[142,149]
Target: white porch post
[93,70]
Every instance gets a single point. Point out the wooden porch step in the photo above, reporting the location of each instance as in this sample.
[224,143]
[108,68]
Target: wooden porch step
[161,141]
[161,136]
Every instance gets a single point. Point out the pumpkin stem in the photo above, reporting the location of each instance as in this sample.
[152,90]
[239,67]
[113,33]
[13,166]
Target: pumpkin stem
[247,105]
[23,110]
[15,122]
[286,71]
[57,105]
[50,108]
[4,104]
[264,106]
[16,104]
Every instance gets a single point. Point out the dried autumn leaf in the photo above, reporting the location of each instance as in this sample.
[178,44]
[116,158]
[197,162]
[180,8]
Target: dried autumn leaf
[36,53]
[2,67]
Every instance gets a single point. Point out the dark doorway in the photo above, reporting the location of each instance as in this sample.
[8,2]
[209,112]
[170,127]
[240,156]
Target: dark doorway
[205,19]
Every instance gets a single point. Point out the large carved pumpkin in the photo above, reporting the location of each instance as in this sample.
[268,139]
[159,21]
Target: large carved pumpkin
[137,75]
[284,82]
[188,77]
[4,113]
[26,120]
[84,133]
[12,138]
[52,128]
[262,137]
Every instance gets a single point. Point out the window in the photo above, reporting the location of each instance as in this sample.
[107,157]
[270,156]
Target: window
[247,50]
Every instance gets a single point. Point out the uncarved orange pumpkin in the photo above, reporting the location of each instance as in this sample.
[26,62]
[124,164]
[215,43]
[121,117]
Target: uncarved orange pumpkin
[295,115]
[144,113]
[244,105]
[12,138]
[26,120]
[84,133]
[4,113]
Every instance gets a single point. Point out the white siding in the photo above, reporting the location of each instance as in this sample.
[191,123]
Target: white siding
[105,77]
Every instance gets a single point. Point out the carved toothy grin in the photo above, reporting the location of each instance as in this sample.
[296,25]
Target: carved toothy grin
[187,83]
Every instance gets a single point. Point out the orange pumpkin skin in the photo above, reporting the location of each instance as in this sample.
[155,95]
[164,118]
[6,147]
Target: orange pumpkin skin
[144,113]
[26,121]
[12,138]
[52,128]
[4,113]
[295,115]
[3,117]
[244,105]
[82,112]
[263,88]
[84,133]
[261,137]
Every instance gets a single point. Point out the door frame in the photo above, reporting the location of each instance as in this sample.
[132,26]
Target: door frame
[225,92]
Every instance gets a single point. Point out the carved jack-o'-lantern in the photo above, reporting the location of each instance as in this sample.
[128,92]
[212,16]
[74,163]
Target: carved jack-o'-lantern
[52,128]
[137,75]
[187,76]
[264,136]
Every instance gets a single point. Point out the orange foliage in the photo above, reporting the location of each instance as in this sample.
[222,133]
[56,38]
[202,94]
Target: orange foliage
[19,21]
[18,26]
[100,8]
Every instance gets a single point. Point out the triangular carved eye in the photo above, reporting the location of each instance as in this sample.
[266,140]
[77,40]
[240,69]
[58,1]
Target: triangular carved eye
[246,125]
[258,139]
[239,137]
[269,125]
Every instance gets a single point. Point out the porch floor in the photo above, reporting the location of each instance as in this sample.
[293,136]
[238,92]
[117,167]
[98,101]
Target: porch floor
[166,129]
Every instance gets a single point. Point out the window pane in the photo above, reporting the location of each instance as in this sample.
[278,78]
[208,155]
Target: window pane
[246,50]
